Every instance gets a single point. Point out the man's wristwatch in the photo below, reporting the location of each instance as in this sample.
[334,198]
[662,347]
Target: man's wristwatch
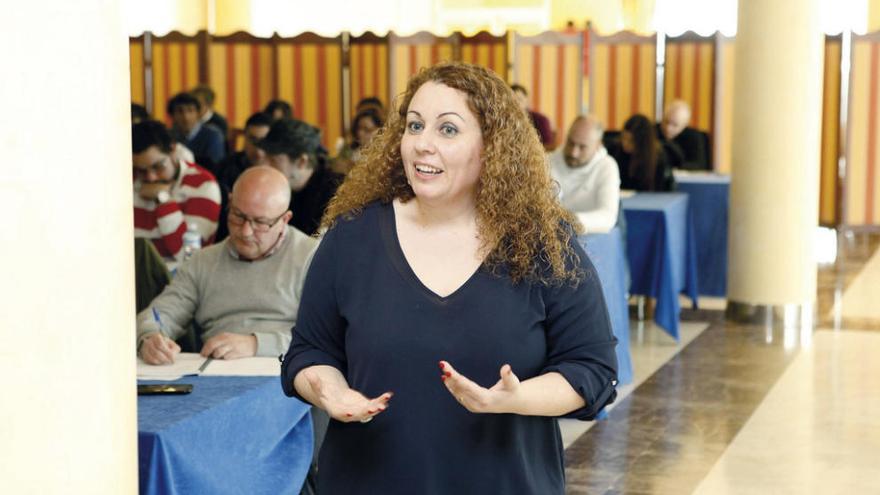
[162,197]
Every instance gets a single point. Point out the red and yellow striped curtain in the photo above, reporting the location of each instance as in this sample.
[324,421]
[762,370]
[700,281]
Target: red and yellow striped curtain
[136,68]
[828,184]
[411,53]
[723,135]
[550,67]
[176,60]
[861,186]
[622,77]
[242,74]
[368,70]
[690,76]
[486,50]
[309,75]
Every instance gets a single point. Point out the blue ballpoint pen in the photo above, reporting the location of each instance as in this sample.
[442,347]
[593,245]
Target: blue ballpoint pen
[159,321]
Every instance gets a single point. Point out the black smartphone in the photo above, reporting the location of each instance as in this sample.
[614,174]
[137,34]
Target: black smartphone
[160,389]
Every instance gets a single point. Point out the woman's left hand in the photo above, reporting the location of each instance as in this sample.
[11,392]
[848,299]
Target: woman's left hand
[500,398]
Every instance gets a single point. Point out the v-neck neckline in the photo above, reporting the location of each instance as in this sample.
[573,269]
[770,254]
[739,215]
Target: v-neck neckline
[388,227]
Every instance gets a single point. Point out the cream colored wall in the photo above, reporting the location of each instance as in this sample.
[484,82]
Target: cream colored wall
[67,370]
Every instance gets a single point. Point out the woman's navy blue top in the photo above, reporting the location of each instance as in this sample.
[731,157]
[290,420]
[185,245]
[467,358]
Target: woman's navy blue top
[365,312]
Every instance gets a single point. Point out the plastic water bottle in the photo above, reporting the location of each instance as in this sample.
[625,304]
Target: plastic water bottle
[192,241]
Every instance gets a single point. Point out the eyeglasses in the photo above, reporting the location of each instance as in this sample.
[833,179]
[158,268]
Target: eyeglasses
[238,219]
[156,168]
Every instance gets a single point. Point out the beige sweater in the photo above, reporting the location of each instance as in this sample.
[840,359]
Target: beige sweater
[223,294]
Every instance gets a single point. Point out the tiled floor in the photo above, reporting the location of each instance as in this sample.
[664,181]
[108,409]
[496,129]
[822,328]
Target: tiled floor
[743,409]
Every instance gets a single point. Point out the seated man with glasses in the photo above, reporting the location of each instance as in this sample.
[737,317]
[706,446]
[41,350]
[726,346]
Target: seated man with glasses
[242,293]
[169,194]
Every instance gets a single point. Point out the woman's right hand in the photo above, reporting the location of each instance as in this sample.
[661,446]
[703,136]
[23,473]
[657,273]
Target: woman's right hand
[342,402]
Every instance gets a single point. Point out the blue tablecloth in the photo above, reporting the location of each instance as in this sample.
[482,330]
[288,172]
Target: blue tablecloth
[709,197]
[606,253]
[661,250]
[230,435]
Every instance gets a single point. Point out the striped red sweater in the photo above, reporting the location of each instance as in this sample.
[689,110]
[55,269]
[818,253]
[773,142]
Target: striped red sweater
[195,198]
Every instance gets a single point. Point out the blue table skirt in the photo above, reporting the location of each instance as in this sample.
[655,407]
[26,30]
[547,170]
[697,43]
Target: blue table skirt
[230,435]
[661,250]
[606,253]
[709,197]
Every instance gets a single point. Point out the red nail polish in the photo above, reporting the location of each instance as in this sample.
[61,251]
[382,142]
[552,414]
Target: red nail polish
[348,415]
[370,411]
[443,377]
[448,374]
[442,365]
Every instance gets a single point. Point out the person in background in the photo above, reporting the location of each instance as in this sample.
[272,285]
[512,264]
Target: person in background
[278,109]
[208,115]
[539,120]
[685,146]
[169,193]
[447,247]
[206,141]
[364,126]
[294,148]
[643,163]
[139,113]
[255,129]
[243,293]
[588,177]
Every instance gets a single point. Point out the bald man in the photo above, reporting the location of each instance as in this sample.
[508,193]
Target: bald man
[243,293]
[589,181]
[686,147]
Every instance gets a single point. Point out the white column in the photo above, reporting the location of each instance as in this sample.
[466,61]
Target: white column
[67,373]
[776,142]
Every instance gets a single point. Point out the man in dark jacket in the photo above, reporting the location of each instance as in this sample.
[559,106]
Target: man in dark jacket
[686,147]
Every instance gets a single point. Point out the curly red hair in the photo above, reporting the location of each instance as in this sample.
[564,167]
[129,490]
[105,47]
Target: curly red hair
[523,228]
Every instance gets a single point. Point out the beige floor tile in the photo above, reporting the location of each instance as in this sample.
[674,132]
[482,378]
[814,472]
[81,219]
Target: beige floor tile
[650,348]
[817,431]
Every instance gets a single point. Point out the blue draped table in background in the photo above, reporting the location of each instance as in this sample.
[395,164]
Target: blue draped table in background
[661,249]
[709,197]
[230,435]
[606,253]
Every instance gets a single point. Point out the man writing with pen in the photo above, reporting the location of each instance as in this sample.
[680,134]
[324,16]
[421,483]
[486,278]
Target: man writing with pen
[242,294]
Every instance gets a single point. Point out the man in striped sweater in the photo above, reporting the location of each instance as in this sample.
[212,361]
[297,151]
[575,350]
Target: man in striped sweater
[169,194]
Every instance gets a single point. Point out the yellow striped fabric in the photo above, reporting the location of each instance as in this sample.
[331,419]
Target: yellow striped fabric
[136,67]
[861,185]
[175,69]
[242,74]
[723,135]
[310,77]
[486,50]
[622,77]
[828,210]
[368,73]
[690,76]
[549,66]
[411,53]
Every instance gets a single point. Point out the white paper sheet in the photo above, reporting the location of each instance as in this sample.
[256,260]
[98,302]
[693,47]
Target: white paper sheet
[185,363]
[254,366]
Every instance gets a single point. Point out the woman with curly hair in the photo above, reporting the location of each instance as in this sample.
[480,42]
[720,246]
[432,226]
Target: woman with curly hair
[446,246]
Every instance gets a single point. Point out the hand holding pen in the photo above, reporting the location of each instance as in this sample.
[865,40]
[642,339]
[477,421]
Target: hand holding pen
[156,347]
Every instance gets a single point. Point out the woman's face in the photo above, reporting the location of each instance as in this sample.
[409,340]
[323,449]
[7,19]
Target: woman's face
[365,130]
[442,145]
[627,143]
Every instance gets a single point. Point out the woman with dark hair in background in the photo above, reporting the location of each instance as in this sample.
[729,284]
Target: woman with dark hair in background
[364,126]
[643,163]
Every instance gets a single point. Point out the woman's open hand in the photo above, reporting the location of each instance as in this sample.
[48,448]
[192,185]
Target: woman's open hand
[500,398]
[343,403]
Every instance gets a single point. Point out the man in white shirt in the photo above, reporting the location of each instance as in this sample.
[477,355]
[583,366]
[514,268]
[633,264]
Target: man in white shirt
[588,177]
